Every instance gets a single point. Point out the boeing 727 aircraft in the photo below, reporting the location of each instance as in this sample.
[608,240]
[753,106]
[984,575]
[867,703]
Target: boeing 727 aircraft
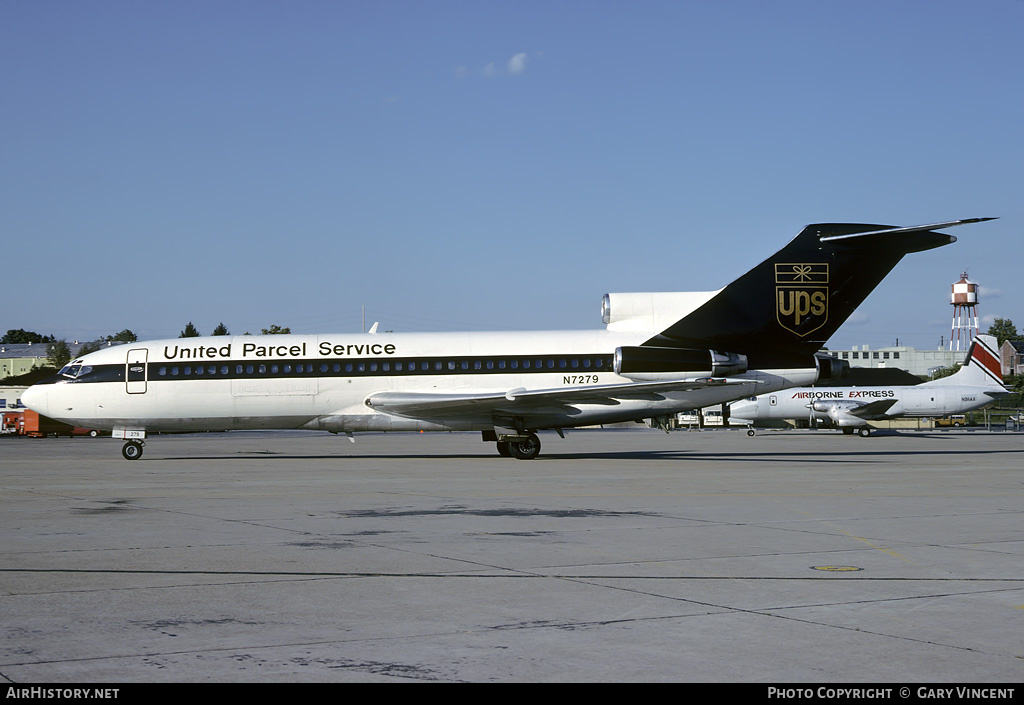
[974,385]
[660,353]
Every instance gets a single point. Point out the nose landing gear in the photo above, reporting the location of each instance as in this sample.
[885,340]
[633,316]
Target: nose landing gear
[132,450]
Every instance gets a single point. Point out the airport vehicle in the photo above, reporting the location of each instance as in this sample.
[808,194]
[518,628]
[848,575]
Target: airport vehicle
[659,353]
[9,422]
[973,386]
[35,425]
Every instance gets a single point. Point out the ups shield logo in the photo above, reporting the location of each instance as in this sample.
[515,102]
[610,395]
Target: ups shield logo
[801,297]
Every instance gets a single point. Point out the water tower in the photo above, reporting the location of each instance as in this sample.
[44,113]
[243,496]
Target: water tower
[965,313]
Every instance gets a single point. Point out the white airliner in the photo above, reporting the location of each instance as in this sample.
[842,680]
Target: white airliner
[974,385]
[660,353]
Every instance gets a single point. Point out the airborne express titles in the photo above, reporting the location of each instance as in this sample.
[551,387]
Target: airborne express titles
[298,350]
[847,394]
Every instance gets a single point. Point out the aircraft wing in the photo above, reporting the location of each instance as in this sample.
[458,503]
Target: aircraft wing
[872,410]
[523,402]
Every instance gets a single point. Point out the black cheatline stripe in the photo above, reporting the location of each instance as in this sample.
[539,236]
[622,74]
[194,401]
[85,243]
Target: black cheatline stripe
[599,363]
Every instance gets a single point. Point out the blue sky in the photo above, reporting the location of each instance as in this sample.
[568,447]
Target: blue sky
[488,166]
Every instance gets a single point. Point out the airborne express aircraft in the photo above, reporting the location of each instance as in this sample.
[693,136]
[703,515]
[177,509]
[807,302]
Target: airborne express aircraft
[974,385]
[660,353]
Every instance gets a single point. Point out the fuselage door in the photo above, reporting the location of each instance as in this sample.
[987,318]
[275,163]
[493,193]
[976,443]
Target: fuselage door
[135,371]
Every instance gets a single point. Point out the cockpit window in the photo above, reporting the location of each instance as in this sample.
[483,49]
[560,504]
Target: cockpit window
[74,371]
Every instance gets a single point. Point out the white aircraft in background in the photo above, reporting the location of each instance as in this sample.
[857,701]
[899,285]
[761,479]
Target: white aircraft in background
[660,353]
[974,385]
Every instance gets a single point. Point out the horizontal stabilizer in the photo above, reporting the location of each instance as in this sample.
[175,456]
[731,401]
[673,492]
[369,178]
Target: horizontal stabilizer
[908,229]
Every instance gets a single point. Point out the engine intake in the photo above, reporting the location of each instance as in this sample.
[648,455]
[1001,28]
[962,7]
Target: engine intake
[636,361]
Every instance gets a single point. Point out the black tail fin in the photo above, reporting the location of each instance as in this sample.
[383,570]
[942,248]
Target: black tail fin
[783,310]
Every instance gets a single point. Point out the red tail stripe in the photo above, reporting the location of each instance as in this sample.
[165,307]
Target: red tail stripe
[987,360]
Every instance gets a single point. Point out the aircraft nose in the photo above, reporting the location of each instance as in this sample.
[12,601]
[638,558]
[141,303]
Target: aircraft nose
[35,398]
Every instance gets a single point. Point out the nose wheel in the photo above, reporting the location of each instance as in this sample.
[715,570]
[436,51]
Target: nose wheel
[132,450]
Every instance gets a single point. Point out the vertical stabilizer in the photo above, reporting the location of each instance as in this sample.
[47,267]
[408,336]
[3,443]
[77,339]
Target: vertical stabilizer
[783,310]
[981,367]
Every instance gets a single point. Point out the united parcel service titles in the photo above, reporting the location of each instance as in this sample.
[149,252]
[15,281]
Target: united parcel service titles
[297,350]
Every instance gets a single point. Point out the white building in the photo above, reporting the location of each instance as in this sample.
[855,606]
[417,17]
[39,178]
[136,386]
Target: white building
[917,362]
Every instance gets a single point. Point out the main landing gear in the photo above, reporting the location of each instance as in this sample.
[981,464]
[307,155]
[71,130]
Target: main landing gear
[132,450]
[525,448]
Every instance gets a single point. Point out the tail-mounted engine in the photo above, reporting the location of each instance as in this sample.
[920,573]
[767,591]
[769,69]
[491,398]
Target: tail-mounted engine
[643,362]
[830,367]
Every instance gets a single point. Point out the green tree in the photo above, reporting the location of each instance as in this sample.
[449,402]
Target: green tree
[88,348]
[26,336]
[1003,330]
[945,371]
[275,330]
[125,336]
[58,354]
[189,332]
[221,330]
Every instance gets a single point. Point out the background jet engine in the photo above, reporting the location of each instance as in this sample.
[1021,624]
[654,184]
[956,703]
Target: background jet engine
[643,362]
[830,367]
